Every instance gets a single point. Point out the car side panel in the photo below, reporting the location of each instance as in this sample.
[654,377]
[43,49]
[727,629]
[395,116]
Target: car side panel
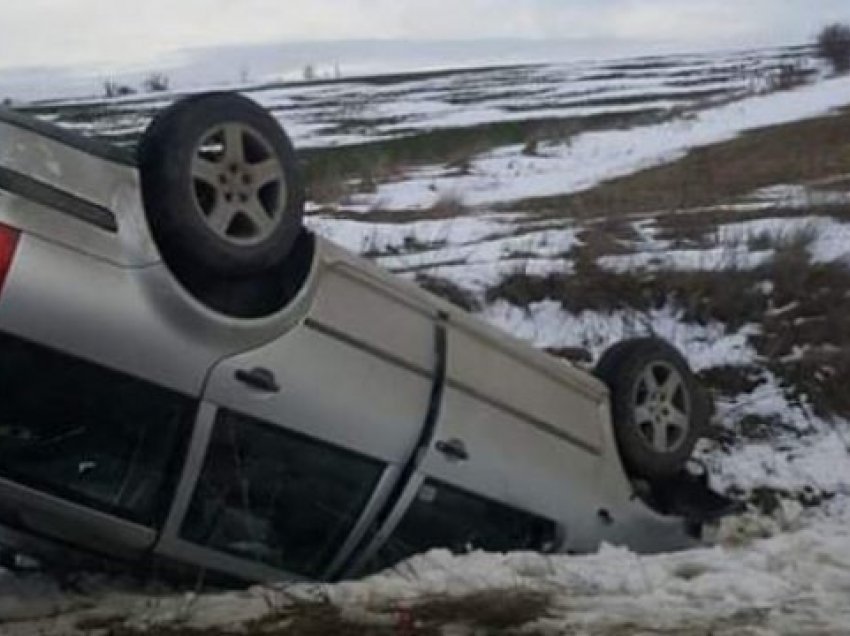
[27,157]
[517,463]
[365,304]
[331,390]
[71,524]
[133,320]
[546,395]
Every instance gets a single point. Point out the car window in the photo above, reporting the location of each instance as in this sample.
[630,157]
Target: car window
[277,497]
[88,434]
[447,517]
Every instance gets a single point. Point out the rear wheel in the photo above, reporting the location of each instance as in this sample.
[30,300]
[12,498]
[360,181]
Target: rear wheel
[221,186]
[658,408]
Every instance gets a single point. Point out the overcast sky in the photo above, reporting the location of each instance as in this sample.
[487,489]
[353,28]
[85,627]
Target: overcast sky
[54,32]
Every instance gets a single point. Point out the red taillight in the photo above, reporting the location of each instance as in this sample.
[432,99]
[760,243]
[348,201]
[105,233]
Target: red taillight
[8,244]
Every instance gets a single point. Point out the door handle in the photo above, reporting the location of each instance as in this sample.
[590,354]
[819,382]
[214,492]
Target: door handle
[453,449]
[258,378]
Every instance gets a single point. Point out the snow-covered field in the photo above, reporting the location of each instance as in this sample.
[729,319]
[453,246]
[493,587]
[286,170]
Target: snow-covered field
[508,174]
[778,570]
[356,111]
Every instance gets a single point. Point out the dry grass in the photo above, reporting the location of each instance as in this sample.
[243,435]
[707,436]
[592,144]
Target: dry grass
[497,611]
[303,619]
[450,291]
[791,153]
[732,381]
[802,308]
[727,297]
[491,612]
[448,205]
[373,162]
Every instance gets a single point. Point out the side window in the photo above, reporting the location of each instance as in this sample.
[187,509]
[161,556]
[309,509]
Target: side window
[88,434]
[277,497]
[443,516]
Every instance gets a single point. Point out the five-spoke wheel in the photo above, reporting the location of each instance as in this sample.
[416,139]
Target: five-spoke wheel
[221,186]
[661,406]
[240,185]
[659,410]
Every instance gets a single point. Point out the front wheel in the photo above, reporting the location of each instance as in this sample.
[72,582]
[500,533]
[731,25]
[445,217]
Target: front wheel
[659,410]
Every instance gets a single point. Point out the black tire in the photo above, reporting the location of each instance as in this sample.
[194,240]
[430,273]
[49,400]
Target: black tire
[658,408]
[221,185]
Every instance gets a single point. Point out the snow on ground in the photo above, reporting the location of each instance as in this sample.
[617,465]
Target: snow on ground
[734,257]
[786,574]
[826,239]
[475,252]
[477,278]
[531,246]
[803,196]
[818,463]
[361,110]
[795,582]
[387,238]
[792,583]
[510,173]
[744,245]
[547,325]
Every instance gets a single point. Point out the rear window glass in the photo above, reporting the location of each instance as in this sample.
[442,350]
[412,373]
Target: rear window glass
[88,434]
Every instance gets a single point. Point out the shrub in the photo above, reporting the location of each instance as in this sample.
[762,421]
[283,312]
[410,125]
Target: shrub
[114,89]
[450,291]
[449,204]
[531,148]
[789,76]
[834,46]
[156,83]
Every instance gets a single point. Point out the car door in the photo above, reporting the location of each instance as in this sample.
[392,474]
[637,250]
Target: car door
[304,439]
[511,461]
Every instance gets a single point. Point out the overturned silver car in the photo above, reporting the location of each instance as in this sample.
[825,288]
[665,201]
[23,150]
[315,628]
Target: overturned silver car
[190,379]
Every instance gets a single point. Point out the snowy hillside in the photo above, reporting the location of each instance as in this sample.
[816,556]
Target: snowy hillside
[702,198]
[382,107]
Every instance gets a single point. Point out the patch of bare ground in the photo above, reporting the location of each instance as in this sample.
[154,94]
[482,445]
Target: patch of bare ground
[447,207]
[301,619]
[702,296]
[379,215]
[791,153]
[698,228]
[806,335]
[605,237]
[496,612]
[450,291]
[625,100]
[372,162]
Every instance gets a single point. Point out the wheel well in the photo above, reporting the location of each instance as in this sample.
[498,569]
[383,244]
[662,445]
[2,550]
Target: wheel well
[248,297]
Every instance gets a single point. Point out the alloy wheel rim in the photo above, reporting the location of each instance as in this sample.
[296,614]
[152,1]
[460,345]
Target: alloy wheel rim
[239,184]
[661,407]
